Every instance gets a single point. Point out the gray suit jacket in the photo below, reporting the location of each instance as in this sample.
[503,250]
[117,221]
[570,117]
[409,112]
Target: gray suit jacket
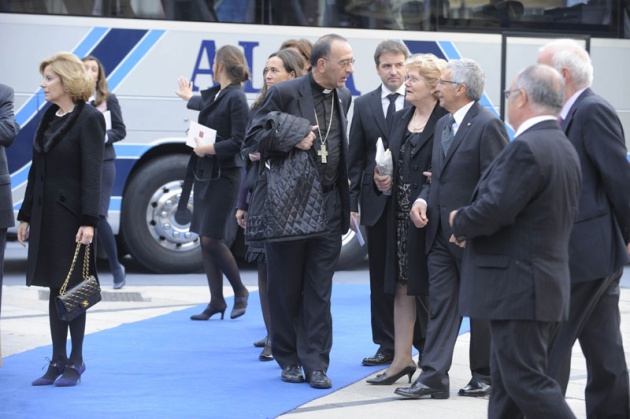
[8,130]
[517,228]
[479,139]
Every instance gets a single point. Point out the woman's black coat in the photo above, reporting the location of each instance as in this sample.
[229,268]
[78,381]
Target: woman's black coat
[63,192]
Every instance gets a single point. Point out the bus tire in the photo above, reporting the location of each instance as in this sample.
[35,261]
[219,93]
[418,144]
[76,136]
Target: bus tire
[148,227]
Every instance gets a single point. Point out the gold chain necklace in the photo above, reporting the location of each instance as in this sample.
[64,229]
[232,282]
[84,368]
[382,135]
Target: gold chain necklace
[323,153]
[419,127]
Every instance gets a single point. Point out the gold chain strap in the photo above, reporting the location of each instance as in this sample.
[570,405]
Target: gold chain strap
[74,260]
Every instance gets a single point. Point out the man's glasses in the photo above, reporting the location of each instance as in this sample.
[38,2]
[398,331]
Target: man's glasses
[343,63]
[441,81]
[507,93]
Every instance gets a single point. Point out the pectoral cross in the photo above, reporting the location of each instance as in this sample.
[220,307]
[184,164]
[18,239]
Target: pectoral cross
[323,153]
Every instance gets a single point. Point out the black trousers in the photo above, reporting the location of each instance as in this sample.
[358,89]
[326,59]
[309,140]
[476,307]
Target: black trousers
[381,304]
[520,386]
[445,321]
[594,320]
[300,286]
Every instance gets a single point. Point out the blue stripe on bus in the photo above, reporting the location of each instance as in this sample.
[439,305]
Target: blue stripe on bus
[116,46]
[135,56]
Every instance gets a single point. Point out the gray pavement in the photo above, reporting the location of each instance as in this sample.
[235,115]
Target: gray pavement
[24,326]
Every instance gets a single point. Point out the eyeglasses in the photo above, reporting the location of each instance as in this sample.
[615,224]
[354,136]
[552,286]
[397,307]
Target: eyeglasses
[413,79]
[343,63]
[448,81]
[507,93]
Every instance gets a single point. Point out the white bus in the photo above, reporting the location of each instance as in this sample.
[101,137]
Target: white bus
[146,45]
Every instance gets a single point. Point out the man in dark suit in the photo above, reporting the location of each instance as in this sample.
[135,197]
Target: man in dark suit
[598,248]
[516,233]
[300,269]
[467,141]
[371,120]
[8,130]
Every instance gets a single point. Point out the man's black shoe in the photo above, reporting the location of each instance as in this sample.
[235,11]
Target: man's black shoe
[292,374]
[318,379]
[378,359]
[476,389]
[418,390]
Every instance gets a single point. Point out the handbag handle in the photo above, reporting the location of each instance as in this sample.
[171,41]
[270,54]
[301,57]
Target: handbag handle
[86,259]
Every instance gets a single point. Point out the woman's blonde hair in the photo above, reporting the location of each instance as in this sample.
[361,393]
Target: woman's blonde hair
[429,66]
[75,79]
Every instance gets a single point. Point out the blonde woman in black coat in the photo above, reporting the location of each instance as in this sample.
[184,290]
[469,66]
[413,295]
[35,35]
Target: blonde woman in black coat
[224,109]
[61,203]
[106,101]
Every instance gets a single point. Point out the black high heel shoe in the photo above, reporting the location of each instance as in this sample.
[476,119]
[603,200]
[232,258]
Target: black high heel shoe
[266,354]
[207,313]
[240,306]
[55,369]
[385,380]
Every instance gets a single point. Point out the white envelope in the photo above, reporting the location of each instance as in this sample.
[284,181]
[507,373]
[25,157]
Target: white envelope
[204,134]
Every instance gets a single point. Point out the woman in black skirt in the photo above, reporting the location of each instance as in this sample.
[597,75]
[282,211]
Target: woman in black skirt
[217,172]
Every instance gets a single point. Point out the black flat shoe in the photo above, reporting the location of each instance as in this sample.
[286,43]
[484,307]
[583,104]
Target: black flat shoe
[260,343]
[266,354]
[378,359]
[292,374]
[476,389]
[207,313]
[419,390]
[318,379]
[385,380]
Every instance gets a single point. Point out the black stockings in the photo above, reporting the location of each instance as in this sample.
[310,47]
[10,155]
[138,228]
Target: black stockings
[218,260]
[59,333]
[264,295]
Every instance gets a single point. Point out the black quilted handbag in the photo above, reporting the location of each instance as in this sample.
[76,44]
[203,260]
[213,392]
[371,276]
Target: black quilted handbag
[287,201]
[71,304]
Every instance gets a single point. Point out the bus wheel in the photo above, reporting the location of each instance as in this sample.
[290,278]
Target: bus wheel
[352,253]
[148,225]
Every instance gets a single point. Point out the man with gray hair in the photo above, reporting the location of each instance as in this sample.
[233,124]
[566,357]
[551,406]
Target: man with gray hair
[371,120]
[466,143]
[516,235]
[598,249]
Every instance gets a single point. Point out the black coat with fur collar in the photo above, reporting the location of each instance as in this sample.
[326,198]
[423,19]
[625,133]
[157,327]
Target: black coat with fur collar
[63,191]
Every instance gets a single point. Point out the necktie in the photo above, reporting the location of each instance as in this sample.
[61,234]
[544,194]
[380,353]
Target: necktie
[447,134]
[391,109]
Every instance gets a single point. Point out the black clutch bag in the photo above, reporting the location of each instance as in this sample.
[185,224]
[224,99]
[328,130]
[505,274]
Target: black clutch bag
[71,304]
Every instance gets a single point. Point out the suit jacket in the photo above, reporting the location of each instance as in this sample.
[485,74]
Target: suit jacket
[295,97]
[118,130]
[368,124]
[228,114]
[602,227]
[8,131]
[517,228]
[480,138]
[421,151]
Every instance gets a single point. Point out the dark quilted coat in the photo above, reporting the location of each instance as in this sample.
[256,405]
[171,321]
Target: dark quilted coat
[294,203]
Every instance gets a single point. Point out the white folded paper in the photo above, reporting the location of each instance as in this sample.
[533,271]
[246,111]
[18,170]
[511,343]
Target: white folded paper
[384,162]
[357,231]
[204,134]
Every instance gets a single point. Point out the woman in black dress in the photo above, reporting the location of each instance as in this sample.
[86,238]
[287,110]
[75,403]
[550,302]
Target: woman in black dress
[411,145]
[106,102]
[224,109]
[61,202]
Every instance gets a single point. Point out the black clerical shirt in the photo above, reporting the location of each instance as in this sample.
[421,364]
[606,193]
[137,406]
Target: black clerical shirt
[323,100]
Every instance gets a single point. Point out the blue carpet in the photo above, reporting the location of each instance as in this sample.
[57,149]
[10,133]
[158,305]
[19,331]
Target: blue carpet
[171,367]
